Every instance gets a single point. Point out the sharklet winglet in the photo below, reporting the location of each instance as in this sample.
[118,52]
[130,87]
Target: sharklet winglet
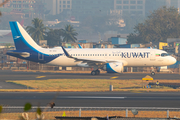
[66,53]
[79,46]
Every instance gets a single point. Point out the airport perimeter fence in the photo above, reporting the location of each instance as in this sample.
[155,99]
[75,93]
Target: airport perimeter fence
[143,112]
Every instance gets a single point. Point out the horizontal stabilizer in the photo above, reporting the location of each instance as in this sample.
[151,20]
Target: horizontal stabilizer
[23,54]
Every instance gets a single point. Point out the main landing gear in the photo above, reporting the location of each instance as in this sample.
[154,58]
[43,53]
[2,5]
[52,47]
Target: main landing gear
[95,72]
[152,73]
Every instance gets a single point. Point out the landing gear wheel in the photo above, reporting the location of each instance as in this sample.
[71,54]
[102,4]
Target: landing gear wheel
[93,72]
[152,73]
[97,72]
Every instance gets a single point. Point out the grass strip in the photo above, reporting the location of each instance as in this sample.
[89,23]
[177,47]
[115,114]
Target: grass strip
[54,85]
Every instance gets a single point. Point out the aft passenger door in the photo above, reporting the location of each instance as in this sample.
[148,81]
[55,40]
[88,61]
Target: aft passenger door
[40,56]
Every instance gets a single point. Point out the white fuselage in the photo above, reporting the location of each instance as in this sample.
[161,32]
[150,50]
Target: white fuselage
[129,57]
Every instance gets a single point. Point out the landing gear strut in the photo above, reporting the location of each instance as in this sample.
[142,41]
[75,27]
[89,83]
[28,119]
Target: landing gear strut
[152,73]
[95,72]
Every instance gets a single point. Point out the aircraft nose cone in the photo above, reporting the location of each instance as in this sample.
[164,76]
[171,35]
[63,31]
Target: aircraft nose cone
[173,60]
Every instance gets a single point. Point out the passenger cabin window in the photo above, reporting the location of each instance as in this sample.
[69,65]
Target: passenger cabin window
[164,54]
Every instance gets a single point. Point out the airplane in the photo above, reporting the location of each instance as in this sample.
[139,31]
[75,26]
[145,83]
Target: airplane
[4,32]
[112,60]
[8,32]
[80,46]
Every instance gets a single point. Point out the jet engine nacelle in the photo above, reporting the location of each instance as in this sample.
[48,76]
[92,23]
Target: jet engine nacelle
[115,67]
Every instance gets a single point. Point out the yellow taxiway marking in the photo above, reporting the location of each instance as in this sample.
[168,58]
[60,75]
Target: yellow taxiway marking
[114,77]
[40,76]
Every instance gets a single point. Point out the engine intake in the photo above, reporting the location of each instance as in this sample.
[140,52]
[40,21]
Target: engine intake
[115,67]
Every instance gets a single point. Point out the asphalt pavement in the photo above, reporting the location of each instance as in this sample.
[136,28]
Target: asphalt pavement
[93,99]
[85,99]
[13,75]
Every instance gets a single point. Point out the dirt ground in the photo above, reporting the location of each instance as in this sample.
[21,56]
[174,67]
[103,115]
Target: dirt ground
[52,115]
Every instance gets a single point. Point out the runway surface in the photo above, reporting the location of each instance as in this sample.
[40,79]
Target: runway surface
[93,99]
[85,99]
[11,75]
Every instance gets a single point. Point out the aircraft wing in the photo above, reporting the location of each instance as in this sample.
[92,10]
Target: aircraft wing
[94,61]
[90,61]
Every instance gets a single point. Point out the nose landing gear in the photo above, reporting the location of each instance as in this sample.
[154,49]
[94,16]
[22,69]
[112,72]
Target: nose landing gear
[95,72]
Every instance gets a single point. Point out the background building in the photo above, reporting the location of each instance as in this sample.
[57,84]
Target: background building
[24,8]
[131,7]
[84,8]
[6,5]
[58,6]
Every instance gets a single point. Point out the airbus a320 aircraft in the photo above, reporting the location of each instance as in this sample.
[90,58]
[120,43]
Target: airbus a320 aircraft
[111,60]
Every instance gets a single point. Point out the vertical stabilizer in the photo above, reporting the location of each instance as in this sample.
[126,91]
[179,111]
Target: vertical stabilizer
[22,39]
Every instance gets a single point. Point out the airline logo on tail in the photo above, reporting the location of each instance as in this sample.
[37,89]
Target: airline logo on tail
[16,37]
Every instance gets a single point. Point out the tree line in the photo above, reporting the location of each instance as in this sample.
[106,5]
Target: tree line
[54,37]
[161,24]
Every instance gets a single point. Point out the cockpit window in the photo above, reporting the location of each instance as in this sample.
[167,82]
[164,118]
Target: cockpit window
[164,54]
